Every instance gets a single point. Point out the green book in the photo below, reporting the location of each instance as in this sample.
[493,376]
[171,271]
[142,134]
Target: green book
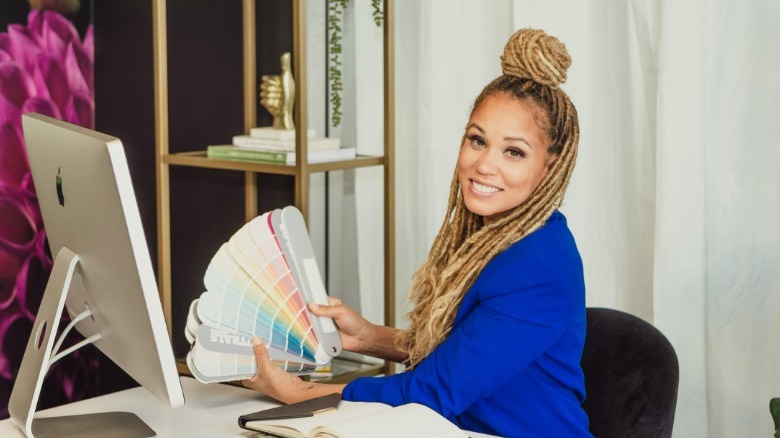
[229,152]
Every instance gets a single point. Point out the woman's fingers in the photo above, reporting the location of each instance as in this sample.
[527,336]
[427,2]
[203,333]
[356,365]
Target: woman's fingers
[320,310]
[263,362]
[261,353]
[272,380]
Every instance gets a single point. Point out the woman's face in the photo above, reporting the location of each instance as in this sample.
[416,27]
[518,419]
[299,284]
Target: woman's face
[503,157]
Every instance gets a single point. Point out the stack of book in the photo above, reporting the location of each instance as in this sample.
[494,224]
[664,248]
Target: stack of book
[271,145]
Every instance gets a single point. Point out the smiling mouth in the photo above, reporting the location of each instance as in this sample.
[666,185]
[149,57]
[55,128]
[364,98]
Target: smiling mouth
[481,188]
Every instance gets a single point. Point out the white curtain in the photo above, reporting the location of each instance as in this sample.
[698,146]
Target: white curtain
[674,201]
[446,51]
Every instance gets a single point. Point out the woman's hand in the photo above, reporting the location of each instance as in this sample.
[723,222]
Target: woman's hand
[280,385]
[358,334]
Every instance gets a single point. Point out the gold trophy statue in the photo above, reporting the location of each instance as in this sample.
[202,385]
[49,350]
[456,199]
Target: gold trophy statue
[277,93]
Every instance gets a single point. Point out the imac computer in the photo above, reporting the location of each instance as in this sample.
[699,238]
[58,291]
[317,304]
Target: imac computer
[102,276]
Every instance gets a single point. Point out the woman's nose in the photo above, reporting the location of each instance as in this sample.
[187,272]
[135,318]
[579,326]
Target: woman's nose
[487,162]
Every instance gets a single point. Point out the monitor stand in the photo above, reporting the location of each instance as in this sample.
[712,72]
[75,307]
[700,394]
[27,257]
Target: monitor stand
[38,358]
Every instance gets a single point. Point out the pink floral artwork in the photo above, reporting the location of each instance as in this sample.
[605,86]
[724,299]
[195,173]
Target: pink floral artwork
[45,67]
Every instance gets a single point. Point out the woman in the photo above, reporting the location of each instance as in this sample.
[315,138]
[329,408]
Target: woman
[498,324]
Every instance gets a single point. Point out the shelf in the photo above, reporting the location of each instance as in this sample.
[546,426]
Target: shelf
[199,159]
[345,369]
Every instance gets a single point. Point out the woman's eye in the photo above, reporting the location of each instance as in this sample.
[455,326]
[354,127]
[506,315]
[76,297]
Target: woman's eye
[477,140]
[515,153]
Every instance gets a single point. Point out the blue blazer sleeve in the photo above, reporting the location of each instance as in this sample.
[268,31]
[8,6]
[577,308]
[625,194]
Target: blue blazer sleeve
[513,314]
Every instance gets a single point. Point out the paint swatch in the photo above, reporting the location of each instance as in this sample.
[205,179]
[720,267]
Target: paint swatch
[258,284]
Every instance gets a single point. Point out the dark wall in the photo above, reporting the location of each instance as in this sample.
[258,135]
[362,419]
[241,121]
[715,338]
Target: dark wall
[206,105]
[124,108]
[205,83]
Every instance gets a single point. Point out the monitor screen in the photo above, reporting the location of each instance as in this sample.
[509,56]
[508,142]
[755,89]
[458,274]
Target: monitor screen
[94,227]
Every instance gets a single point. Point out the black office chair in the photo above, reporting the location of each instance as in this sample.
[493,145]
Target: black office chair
[774,409]
[631,376]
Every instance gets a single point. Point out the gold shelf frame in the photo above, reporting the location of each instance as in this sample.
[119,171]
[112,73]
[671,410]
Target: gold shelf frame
[301,170]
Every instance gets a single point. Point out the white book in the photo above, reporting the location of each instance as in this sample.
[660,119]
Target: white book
[276,133]
[358,420]
[314,143]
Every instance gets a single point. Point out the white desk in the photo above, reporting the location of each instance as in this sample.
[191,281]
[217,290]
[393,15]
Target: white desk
[209,411]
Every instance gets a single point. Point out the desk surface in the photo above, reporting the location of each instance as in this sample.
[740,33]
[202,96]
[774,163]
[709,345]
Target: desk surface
[210,410]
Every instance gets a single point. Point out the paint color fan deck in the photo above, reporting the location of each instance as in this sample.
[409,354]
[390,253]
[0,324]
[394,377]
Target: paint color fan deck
[258,284]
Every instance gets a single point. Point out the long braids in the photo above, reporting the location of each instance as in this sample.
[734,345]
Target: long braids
[534,64]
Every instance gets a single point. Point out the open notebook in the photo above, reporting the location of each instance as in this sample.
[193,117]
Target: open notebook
[258,284]
[359,420]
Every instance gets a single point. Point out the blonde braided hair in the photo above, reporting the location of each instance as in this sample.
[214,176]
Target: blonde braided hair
[534,65]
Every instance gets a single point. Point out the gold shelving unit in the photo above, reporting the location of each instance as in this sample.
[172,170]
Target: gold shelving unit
[301,171]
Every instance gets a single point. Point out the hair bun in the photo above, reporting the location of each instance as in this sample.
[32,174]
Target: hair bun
[532,54]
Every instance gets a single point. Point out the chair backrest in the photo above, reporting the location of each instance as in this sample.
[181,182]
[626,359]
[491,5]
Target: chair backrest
[631,376]
[774,409]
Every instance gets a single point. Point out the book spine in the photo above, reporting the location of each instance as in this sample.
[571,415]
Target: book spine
[242,154]
[263,143]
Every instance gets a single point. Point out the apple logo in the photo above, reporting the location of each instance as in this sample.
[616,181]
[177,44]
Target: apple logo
[60,195]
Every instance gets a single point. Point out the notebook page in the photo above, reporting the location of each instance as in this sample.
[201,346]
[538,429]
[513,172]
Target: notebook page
[346,411]
[409,421]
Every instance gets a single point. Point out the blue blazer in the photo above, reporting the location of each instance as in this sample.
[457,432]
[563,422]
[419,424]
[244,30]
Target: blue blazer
[511,365]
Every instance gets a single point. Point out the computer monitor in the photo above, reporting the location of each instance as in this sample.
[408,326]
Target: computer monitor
[102,273]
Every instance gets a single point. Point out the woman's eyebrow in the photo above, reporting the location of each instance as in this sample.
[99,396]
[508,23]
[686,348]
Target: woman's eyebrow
[482,131]
[520,139]
[477,127]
